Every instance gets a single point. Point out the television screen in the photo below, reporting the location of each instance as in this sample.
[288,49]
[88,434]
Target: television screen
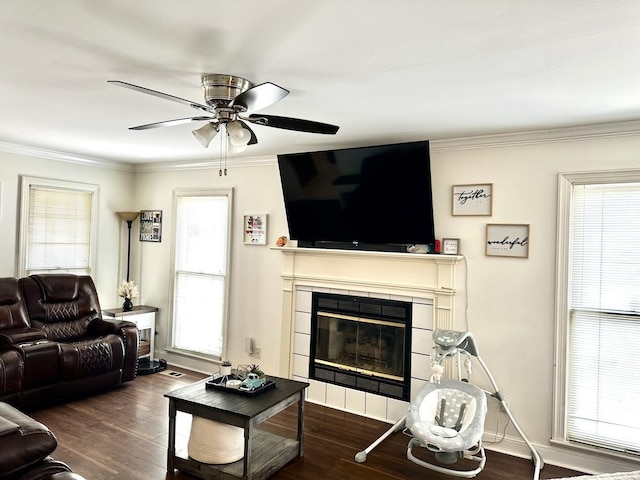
[370,195]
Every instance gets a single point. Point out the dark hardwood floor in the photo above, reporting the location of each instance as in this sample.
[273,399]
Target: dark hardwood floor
[122,434]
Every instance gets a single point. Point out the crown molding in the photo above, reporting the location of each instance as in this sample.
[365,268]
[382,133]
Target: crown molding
[532,137]
[63,157]
[204,164]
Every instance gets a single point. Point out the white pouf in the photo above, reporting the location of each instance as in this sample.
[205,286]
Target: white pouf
[215,442]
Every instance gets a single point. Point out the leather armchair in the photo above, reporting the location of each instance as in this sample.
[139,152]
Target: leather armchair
[54,343]
[26,445]
[93,352]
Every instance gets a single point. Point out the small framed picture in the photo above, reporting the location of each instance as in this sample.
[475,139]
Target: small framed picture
[255,229]
[150,225]
[508,240]
[473,199]
[451,246]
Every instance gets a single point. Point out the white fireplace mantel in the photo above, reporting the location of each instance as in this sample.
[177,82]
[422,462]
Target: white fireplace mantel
[390,274]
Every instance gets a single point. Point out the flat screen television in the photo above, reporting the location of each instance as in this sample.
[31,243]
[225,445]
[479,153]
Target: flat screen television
[372,198]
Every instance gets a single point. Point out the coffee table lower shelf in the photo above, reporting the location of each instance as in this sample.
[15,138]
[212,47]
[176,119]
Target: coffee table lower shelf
[269,453]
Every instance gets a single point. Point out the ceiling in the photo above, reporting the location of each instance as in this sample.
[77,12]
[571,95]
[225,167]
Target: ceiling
[383,70]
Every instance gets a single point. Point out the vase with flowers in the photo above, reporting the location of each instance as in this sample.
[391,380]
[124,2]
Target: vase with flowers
[127,290]
[254,368]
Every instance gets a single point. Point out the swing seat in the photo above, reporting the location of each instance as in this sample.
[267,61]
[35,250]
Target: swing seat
[448,418]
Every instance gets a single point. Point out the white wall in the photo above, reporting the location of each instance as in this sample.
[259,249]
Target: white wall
[510,300]
[255,307]
[115,194]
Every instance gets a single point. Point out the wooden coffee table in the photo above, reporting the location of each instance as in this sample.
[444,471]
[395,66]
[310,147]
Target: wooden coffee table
[264,452]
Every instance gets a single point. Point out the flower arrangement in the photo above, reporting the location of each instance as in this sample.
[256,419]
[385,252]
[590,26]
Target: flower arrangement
[128,289]
[243,370]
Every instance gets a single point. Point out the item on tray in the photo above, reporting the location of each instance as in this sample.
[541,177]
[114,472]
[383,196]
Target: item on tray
[225,368]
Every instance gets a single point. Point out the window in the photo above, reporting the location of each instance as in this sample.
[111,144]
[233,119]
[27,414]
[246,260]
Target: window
[58,227]
[598,384]
[201,272]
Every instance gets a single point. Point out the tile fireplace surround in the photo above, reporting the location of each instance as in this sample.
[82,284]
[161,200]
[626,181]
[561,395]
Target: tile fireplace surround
[427,281]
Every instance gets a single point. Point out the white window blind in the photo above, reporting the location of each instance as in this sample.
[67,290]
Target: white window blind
[603,381]
[58,231]
[201,274]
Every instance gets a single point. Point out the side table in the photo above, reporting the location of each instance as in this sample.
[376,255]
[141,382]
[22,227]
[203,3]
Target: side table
[145,319]
[264,452]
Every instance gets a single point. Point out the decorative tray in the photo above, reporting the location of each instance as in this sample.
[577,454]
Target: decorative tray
[218,382]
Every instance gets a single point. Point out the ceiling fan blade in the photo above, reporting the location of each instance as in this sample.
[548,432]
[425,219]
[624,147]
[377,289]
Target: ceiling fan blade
[171,123]
[166,96]
[254,139]
[296,124]
[259,97]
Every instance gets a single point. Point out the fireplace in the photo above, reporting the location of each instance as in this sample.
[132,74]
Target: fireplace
[428,282]
[361,343]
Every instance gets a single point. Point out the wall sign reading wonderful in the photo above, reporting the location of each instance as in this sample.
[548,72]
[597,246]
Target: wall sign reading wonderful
[508,240]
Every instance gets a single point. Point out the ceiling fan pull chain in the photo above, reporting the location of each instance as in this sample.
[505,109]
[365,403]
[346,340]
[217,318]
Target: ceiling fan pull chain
[220,154]
[223,150]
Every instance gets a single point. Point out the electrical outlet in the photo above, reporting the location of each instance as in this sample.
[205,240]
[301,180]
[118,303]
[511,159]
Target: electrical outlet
[257,351]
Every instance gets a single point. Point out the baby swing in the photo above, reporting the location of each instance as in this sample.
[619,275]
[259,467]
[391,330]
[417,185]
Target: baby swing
[447,416]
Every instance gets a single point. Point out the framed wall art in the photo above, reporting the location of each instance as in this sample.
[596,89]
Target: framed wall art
[150,225]
[255,229]
[507,240]
[451,246]
[473,199]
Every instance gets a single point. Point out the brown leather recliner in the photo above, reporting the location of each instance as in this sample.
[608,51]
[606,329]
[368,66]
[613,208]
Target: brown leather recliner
[54,323]
[26,445]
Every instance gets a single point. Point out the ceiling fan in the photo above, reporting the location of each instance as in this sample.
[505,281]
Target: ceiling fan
[229,102]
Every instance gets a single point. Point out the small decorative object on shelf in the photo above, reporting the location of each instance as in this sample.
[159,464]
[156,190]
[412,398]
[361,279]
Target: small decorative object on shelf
[128,291]
[281,241]
[247,380]
[253,382]
[242,371]
[127,305]
[225,368]
[451,246]
[253,368]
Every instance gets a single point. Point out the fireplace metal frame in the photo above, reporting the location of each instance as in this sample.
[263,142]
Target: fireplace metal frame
[395,312]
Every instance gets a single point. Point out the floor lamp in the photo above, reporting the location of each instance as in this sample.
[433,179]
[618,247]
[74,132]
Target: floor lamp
[145,366]
[129,217]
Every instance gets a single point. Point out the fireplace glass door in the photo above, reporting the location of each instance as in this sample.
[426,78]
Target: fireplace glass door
[373,347]
[361,343]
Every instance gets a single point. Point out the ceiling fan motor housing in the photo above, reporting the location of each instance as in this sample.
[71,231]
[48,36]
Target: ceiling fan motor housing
[220,89]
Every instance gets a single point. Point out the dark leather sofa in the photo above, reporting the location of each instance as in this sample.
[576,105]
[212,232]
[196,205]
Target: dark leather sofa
[54,344]
[25,449]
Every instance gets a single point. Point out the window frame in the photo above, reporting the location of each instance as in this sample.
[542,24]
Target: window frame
[26,182]
[566,182]
[182,192]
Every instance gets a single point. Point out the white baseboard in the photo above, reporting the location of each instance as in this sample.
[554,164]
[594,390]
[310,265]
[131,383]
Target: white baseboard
[574,459]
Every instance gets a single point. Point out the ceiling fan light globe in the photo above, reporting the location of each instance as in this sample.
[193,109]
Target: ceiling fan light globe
[236,149]
[238,135]
[206,133]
